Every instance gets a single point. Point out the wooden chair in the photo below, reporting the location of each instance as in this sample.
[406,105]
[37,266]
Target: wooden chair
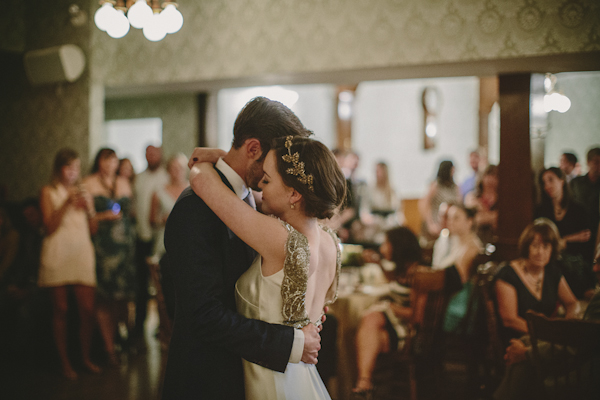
[421,349]
[479,333]
[566,355]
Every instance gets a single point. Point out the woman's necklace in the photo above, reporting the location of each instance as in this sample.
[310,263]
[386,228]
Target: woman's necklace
[537,281]
[111,188]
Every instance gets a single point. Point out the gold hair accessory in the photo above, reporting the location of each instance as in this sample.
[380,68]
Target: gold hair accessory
[298,166]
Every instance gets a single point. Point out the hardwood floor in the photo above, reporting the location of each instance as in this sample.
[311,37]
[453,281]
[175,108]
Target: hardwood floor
[137,378]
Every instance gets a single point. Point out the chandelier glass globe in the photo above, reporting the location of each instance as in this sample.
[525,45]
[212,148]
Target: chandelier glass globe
[104,15]
[154,29]
[119,25]
[171,18]
[139,14]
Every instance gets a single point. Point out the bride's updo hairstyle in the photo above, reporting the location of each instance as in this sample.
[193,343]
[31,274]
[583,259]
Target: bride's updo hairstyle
[310,168]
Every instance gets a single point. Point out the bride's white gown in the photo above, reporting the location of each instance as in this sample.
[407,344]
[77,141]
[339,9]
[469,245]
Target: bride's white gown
[279,299]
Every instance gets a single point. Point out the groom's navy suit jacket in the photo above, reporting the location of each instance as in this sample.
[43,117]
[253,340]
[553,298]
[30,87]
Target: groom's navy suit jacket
[209,336]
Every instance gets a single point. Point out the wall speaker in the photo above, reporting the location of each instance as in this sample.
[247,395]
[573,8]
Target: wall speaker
[55,64]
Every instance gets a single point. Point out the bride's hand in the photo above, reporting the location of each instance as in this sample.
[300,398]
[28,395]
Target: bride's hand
[312,344]
[205,154]
[200,175]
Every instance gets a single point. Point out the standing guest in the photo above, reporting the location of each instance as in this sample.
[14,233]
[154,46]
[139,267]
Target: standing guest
[126,170]
[569,166]
[146,183]
[165,197]
[586,190]
[533,281]
[469,184]
[484,199]
[572,222]
[442,190]
[114,242]
[67,257]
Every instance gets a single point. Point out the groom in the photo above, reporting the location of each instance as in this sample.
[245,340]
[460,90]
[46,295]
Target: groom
[206,258]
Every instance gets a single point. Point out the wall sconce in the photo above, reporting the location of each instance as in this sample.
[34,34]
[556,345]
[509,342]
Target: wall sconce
[431,101]
[115,18]
[554,100]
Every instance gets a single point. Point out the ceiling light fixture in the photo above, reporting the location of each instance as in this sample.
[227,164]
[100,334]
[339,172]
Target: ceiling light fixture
[553,99]
[156,21]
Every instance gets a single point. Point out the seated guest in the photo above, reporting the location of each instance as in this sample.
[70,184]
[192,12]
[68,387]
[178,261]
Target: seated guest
[573,224]
[381,207]
[484,199]
[442,190]
[383,327]
[516,383]
[455,250]
[533,281]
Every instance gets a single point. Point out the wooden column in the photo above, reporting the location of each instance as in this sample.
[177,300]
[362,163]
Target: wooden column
[515,187]
[344,123]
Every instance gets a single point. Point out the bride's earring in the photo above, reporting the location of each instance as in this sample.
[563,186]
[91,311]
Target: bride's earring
[293,205]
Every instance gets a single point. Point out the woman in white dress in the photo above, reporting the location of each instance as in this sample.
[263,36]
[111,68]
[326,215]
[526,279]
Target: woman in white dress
[296,272]
[67,257]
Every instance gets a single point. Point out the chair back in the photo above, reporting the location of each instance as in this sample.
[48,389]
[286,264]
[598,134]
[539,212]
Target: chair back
[566,355]
[430,300]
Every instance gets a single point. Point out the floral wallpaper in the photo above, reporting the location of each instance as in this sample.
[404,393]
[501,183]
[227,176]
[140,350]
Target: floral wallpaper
[226,40]
[241,38]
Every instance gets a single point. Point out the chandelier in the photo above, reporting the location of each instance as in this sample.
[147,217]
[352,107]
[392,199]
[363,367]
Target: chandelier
[554,100]
[155,21]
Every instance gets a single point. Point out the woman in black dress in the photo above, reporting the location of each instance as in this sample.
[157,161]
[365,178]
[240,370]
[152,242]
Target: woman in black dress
[572,222]
[533,281]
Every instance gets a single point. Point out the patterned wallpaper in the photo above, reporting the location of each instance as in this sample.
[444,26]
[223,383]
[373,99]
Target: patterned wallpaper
[178,113]
[12,26]
[244,38]
[38,121]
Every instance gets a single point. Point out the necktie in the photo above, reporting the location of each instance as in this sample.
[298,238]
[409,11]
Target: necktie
[249,199]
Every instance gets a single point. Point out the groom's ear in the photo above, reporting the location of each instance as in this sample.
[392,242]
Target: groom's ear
[253,148]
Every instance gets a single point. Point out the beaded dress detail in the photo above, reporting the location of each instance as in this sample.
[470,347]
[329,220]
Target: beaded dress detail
[295,269]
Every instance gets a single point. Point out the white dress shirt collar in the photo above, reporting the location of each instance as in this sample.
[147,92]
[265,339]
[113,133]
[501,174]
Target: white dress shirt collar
[236,181]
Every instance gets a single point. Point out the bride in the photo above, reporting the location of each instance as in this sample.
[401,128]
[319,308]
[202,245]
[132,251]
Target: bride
[296,272]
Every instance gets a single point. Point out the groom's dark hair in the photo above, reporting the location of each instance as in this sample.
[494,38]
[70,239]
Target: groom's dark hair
[266,120]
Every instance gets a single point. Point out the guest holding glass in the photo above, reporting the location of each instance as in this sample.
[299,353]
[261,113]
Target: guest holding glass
[533,281]
[67,255]
[115,245]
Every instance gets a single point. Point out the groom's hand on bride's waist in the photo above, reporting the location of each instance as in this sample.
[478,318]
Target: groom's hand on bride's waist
[312,344]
